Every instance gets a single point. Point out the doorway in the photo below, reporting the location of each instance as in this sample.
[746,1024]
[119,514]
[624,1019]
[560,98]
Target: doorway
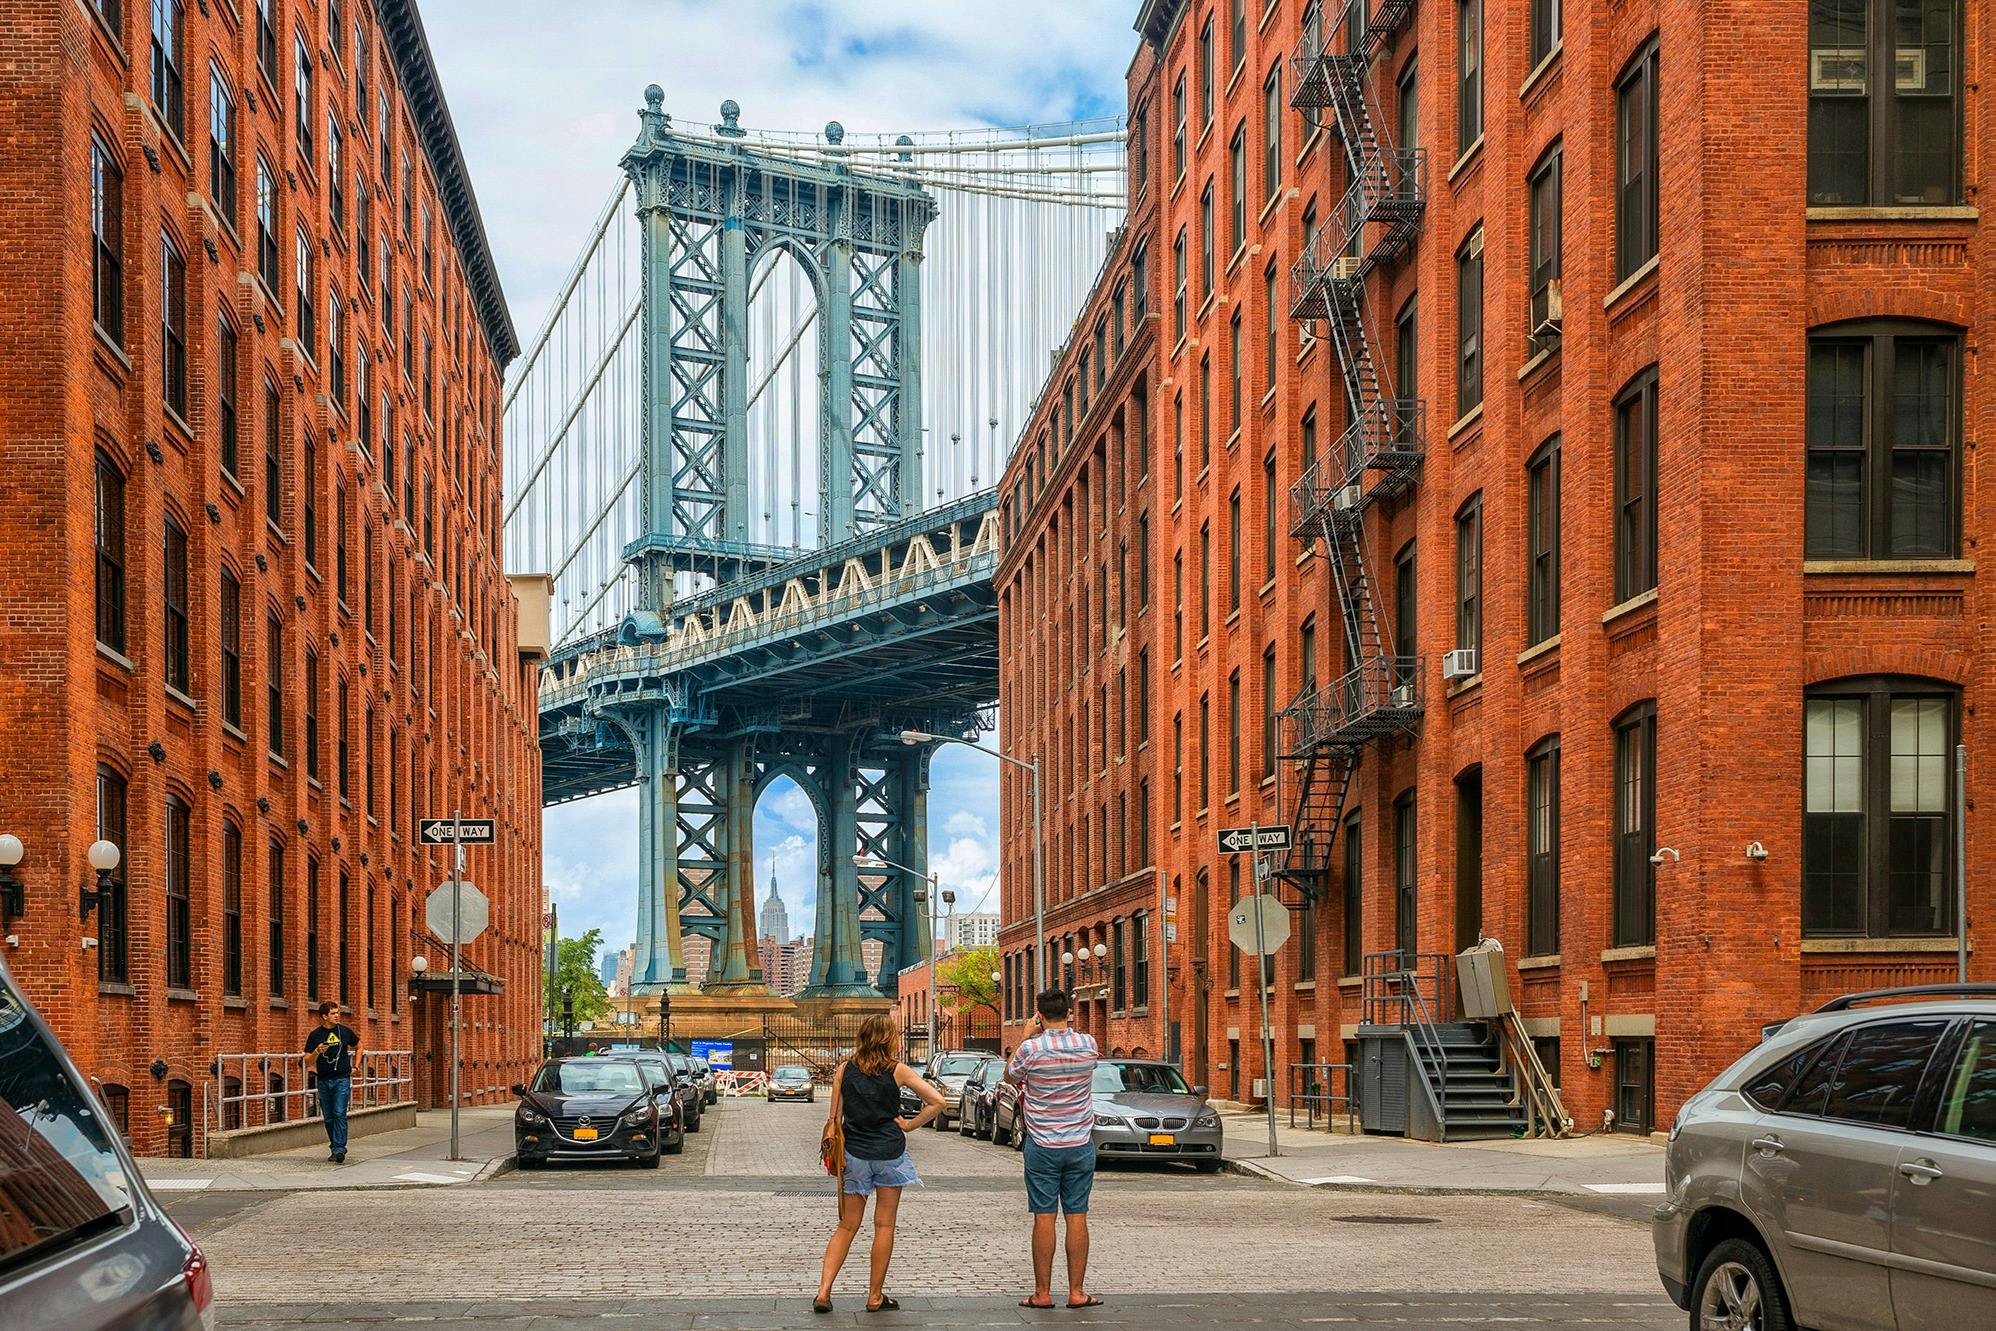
[1468,859]
[1406,900]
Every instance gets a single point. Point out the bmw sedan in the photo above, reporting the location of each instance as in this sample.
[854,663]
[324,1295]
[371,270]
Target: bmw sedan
[592,1109]
[1146,1111]
[792,1082]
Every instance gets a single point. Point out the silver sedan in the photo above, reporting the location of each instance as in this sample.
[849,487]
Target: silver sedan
[1146,1111]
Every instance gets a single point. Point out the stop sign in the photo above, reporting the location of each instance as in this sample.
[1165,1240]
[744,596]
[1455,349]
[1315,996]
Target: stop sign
[1274,927]
[468,921]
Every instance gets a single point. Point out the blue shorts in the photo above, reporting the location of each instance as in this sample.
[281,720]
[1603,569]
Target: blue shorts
[1059,1178]
[863,1176]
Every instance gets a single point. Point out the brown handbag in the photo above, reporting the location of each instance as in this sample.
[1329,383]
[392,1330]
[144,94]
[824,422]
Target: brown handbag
[832,1146]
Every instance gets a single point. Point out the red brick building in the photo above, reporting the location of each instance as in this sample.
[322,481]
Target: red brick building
[1723,603]
[957,1027]
[256,615]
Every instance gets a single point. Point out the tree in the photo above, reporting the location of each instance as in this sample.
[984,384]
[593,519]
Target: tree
[575,972]
[968,973]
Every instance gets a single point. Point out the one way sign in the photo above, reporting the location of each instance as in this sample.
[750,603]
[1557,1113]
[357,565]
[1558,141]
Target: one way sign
[1241,840]
[462,832]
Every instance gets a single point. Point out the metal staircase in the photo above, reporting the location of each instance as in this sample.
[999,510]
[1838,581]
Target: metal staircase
[1379,454]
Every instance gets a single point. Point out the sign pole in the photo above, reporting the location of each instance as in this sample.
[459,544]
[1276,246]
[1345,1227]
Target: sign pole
[1164,964]
[456,1015]
[1261,984]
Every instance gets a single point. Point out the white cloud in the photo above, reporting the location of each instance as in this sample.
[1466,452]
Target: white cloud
[965,823]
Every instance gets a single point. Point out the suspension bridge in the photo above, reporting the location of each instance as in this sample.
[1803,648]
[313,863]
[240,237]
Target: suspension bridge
[755,443]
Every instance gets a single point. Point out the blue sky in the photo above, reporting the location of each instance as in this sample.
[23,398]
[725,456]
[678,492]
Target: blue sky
[545,96]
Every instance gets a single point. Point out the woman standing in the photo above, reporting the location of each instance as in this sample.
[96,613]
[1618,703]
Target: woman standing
[866,1102]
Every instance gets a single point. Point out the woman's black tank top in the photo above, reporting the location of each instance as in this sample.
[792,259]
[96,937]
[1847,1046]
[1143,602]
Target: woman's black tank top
[872,1103]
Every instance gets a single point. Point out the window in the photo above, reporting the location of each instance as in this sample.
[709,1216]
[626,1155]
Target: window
[1237,176]
[118,1099]
[1469,61]
[1542,543]
[1177,766]
[273,462]
[1205,581]
[169,82]
[107,231]
[1271,329]
[1205,414]
[1968,1097]
[1234,733]
[306,325]
[1406,359]
[1635,827]
[1635,487]
[309,501]
[340,523]
[1205,751]
[109,522]
[232,910]
[1884,430]
[1545,31]
[1237,32]
[311,713]
[1177,607]
[274,674]
[1306,655]
[227,424]
[1178,286]
[1469,324]
[222,147]
[232,649]
[336,172]
[1140,961]
[1206,243]
[266,225]
[362,234]
[1869,144]
[1269,501]
[363,406]
[1406,880]
[336,349]
[179,910]
[312,913]
[266,39]
[1636,163]
[1270,744]
[1233,552]
[345,704]
[1405,638]
[1545,259]
[113,924]
[1143,562]
[173,586]
[173,325]
[1878,1078]
[1469,576]
[408,196]
[1206,73]
[302,110]
[1877,788]
[1233,898]
[1178,128]
[1542,848]
[275,917]
[1271,144]
[344,904]
[1234,374]
[1407,119]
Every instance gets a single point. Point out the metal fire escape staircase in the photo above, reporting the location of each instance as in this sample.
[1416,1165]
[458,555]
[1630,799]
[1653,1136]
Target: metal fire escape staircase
[1325,730]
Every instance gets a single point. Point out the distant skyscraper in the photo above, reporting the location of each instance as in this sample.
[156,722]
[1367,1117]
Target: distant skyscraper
[974,930]
[607,968]
[775,917]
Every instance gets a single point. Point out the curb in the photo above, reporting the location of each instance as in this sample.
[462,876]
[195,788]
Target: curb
[504,1164]
[1255,1169]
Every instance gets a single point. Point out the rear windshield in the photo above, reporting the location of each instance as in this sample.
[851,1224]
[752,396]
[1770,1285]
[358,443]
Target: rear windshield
[593,1076]
[60,1178]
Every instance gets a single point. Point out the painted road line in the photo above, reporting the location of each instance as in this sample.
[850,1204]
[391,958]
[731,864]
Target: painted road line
[178,1184]
[1336,1178]
[1625,1188]
[419,1177]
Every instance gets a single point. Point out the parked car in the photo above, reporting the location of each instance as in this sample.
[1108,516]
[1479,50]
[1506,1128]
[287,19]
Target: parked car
[591,1109]
[675,1090]
[792,1082]
[1005,1130]
[975,1101]
[947,1072]
[687,1083]
[86,1248]
[1145,1110]
[710,1085]
[1843,1173]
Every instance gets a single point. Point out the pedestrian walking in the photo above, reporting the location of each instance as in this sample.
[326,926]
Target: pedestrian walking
[866,1144]
[337,1045]
[1055,1073]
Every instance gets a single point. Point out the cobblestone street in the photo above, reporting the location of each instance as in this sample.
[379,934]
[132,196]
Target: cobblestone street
[730,1234]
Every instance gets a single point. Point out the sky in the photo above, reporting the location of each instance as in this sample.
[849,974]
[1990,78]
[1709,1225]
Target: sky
[545,99]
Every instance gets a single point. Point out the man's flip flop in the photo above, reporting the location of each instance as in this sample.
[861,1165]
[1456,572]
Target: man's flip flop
[1048,1306]
[886,1305]
[1090,1302]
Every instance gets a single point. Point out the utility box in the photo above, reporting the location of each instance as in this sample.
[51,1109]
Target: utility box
[1485,985]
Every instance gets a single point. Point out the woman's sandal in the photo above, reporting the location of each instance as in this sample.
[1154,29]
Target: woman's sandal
[821,1305]
[1090,1302]
[1048,1306]
[886,1305]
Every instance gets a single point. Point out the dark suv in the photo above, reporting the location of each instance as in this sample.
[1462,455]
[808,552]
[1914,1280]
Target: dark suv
[84,1246]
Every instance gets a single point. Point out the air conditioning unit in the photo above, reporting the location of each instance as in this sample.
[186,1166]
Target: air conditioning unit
[1459,664]
[1345,267]
[1347,498]
[1400,696]
[1260,1089]
[1549,326]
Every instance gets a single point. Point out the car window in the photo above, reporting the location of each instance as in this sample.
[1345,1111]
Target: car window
[1880,1073]
[590,1077]
[1812,1091]
[958,1065]
[1968,1104]
[1144,1078]
[60,1177]
[1765,1088]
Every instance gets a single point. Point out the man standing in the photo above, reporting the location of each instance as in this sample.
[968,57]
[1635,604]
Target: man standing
[336,1045]
[1055,1072]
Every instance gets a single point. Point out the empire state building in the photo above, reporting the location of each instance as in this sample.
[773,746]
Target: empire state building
[775,916]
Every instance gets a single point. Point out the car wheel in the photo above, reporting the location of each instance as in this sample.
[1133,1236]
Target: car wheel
[998,1137]
[650,1161]
[693,1124]
[677,1146]
[1738,1288]
[1206,1166]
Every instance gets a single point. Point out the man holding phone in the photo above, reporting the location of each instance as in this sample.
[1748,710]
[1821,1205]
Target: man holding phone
[1055,1073]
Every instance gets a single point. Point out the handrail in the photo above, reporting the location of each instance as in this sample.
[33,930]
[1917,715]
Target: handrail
[1427,1039]
[1545,1113]
[380,1077]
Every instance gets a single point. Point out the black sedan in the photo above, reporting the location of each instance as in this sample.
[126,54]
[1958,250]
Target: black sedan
[979,1098]
[595,1109]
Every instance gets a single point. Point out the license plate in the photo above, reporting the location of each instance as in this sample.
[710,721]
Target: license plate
[590,1135]
[1163,1139]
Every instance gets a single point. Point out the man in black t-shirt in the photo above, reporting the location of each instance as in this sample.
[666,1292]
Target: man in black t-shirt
[336,1046]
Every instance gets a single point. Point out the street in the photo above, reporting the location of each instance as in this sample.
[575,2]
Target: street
[730,1233]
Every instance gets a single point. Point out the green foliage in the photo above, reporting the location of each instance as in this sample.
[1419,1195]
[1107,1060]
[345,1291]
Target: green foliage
[969,974]
[575,970]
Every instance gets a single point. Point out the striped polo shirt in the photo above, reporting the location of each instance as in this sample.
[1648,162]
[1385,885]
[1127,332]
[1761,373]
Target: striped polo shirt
[1056,1074]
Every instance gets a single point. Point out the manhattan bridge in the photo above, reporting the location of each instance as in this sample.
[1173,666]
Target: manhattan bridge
[756,443]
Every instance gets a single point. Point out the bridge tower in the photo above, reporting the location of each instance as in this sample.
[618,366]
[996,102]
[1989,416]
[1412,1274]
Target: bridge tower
[712,210]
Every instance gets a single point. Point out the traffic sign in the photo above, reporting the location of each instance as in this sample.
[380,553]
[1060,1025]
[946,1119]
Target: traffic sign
[1274,924]
[466,922]
[1241,840]
[460,832]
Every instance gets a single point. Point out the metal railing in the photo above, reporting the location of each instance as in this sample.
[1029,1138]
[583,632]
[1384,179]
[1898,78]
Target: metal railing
[1319,1095]
[1411,990]
[274,1088]
[1381,696]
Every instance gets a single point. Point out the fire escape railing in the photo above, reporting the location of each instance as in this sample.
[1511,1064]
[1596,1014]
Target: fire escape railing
[1378,456]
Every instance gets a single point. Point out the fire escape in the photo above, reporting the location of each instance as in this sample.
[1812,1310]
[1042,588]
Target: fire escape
[1326,728]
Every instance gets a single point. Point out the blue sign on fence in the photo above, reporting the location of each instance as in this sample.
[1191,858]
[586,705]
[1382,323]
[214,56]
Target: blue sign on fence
[719,1054]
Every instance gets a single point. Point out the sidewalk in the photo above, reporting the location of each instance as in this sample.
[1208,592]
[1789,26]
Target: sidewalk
[415,1157]
[1583,1166]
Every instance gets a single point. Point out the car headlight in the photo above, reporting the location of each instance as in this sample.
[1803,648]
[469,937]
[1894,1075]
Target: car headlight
[641,1115]
[1209,1120]
[1108,1121]
[532,1115]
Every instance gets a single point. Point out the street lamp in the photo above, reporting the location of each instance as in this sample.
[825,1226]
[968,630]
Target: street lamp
[13,892]
[104,858]
[1032,766]
[928,899]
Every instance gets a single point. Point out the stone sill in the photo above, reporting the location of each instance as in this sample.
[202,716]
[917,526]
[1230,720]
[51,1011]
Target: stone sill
[1865,213]
[1537,650]
[1539,358]
[1847,946]
[1630,282]
[1469,154]
[116,658]
[1467,419]
[1544,963]
[1888,566]
[1641,953]
[1350,981]
[1539,70]
[1630,606]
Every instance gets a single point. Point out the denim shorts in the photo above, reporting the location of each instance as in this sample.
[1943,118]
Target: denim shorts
[863,1176]
[1059,1178]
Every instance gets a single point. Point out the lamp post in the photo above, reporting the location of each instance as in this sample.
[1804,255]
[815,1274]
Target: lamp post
[104,858]
[13,892]
[1032,766]
[864,861]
